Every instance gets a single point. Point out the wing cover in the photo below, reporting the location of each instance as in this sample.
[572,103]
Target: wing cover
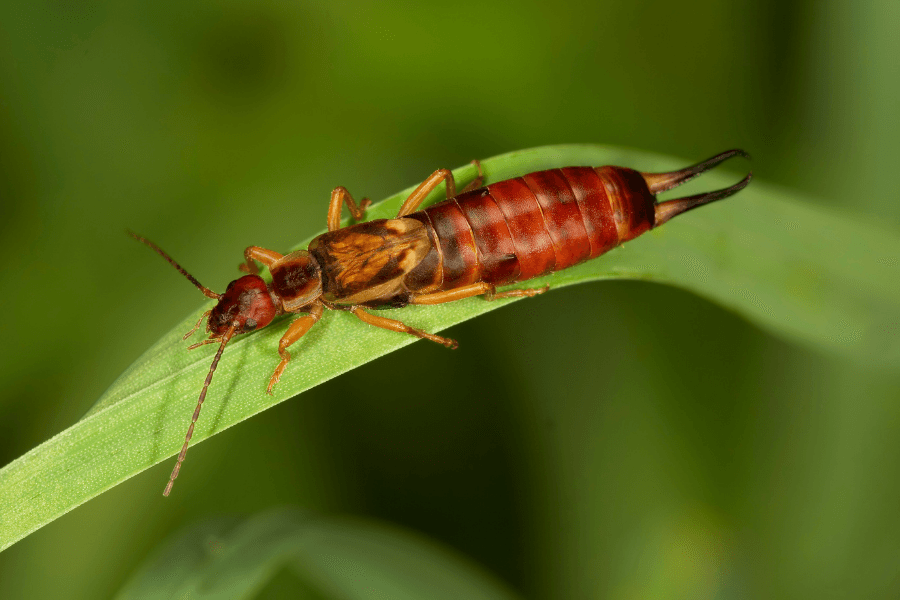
[367,261]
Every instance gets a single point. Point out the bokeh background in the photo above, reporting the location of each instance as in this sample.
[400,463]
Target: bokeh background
[612,440]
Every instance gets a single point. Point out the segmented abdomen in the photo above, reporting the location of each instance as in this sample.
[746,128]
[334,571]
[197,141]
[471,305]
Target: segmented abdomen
[521,228]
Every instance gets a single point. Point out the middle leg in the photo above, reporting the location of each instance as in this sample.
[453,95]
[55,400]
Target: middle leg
[425,188]
[340,196]
[434,180]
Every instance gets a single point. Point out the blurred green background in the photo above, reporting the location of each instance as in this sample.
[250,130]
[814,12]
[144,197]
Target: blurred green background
[615,440]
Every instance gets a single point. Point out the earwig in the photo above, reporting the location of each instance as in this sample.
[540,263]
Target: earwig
[468,245]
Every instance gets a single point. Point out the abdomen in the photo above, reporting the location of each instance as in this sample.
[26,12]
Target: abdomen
[532,225]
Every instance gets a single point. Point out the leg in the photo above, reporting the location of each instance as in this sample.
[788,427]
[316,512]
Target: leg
[478,181]
[425,188]
[266,257]
[526,293]
[399,327]
[296,331]
[476,289]
[339,196]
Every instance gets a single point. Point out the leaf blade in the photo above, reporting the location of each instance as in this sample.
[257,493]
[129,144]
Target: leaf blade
[765,254]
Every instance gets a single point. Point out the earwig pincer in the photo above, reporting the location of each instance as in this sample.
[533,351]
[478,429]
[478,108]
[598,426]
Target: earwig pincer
[468,245]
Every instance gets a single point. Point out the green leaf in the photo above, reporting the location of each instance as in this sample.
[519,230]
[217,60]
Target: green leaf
[340,558]
[814,276]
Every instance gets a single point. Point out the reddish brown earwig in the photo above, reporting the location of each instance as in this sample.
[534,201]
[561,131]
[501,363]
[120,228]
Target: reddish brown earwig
[468,245]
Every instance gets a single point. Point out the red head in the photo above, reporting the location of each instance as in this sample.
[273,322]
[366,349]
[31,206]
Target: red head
[246,303]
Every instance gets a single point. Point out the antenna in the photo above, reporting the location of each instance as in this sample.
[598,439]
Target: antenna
[206,291]
[190,431]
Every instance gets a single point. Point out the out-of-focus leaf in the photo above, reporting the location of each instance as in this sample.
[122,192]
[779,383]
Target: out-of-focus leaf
[347,559]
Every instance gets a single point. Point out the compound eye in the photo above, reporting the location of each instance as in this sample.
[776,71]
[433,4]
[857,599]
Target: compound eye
[250,325]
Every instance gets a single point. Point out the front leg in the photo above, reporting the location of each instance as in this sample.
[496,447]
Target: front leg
[339,196]
[296,331]
[255,253]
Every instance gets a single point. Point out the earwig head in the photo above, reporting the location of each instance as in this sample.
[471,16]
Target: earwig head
[246,304]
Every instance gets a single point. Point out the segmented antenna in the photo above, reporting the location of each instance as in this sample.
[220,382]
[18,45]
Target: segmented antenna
[206,291]
[190,431]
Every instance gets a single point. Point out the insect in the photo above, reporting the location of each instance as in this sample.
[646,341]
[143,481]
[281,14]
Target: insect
[468,245]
